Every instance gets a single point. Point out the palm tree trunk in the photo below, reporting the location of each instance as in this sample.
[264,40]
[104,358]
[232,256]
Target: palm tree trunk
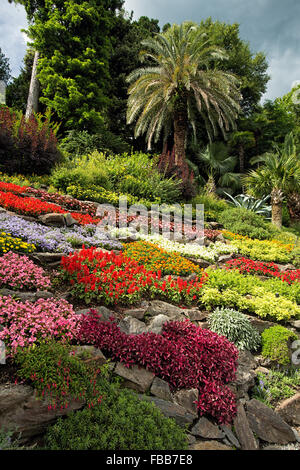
[33,95]
[242,158]
[180,128]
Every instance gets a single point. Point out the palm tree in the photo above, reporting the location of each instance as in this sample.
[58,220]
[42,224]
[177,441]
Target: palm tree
[168,95]
[219,167]
[279,176]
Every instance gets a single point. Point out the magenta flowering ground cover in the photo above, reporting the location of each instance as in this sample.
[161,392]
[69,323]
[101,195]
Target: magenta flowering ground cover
[19,272]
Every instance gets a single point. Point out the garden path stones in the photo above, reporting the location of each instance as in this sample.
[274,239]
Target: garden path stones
[206,429]
[136,378]
[267,424]
[243,430]
[161,389]
[289,410]
[171,410]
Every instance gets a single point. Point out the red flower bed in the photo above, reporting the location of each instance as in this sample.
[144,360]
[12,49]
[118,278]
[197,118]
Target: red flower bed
[116,278]
[35,207]
[184,355]
[66,201]
[245,265]
[12,188]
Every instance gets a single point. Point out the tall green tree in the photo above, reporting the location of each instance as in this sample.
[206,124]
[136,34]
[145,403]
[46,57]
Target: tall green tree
[278,174]
[181,84]
[72,38]
[4,68]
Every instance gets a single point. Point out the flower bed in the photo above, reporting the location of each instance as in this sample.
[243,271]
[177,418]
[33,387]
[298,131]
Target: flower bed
[9,243]
[62,200]
[27,323]
[184,355]
[19,272]
[12,188]
[62,240]
[245,265]
[155,258]
[35,207]
[119,279]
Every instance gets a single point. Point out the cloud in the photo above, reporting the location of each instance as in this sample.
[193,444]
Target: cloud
[12,40]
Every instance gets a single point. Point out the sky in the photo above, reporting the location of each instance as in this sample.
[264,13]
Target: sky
[270,26]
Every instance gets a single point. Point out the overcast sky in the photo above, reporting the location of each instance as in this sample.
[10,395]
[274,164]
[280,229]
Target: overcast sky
[271,26]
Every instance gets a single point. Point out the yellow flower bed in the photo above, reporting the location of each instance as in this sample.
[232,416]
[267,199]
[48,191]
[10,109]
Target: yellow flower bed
[9,243]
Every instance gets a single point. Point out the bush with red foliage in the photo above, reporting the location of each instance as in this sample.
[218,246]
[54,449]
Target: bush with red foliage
[26,145]
[245,265]
[184,355]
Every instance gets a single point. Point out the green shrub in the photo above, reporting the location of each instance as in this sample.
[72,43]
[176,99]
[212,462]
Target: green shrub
[78,143]
[236,327]
[247,223]
[275,344]
[120,422]
[213,205]
[57,373]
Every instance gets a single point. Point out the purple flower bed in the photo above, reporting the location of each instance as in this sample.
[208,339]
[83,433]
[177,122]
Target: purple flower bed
[62,240]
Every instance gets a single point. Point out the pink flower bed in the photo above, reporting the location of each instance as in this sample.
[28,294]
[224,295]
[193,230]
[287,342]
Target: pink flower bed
[19,272]
[27,323]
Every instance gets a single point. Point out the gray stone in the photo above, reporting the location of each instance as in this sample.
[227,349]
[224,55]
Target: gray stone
[104,313]
[171,410]
[230,436]
[46,258]
[156,324]
[187,399]
[243,430]
[69,220]
[245,375]
[158,307]
[267,424]
[54,218]
[136,378]
[132,326]
[22,412]
[224,258]
[161,389]
[138,313]
[260,325]
[296,324]
[196,315]
[205,428]
[289,410]
[26,296]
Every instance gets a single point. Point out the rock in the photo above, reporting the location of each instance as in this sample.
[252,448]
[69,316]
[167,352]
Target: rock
[161,389]
[132,326]
[260,325]
[243,430]
[26,296]
[296,324]
[69,220]
[138,313]
[262,370]
[58,220]
[158,307]
[209,445]
[289,410]
[191,439]
[46,258]
[136,378]
[196,315]
[245,375]
[104,313]
[171,410]
[187,399]
[204,428]
[267,424]
[202,263]
[156,324]
[90,354]
[22,412]
[224,258]
[230,436]
[220,238]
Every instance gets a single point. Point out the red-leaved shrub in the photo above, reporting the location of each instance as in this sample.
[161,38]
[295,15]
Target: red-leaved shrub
[184,355]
